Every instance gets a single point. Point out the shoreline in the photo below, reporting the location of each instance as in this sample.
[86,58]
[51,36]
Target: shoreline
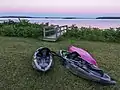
[93,23]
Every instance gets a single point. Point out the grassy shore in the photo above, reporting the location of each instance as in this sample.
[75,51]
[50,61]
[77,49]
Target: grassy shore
[16,72]
[24,28]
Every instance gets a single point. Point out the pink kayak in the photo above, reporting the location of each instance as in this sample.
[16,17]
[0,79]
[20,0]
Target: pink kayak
[84,54]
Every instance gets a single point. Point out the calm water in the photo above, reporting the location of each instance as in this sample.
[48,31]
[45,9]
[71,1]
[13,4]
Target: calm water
[107,23]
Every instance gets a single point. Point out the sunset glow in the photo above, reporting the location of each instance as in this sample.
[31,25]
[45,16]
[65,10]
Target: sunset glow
[60,6]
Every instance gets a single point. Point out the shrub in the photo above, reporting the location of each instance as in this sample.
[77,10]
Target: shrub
[21,29]
[24,28]
[94,34]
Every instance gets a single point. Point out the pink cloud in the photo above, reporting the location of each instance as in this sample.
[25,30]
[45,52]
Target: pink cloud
[62,10]
[61,6]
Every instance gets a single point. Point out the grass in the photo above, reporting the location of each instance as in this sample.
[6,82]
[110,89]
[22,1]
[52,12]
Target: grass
[16,72]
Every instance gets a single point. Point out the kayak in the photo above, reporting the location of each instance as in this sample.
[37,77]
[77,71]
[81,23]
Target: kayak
[80,67]
[84,54]
[42,59]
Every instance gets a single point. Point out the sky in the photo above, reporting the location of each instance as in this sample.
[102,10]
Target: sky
[84,8]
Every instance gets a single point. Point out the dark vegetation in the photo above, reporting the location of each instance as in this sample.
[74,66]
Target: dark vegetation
[16,17]
[94,34]
[108,18]
[24,28]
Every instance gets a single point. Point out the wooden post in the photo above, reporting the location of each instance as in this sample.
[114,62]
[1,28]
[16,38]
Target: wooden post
[19,19]
[65,28]
[44,32]
[60,31]
[56,32]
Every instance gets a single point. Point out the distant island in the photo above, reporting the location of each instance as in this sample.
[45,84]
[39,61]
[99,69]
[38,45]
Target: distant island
[108,18]
[59,17]
[15,17]
[45,17]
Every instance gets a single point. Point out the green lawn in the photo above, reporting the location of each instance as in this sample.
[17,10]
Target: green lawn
[16,72]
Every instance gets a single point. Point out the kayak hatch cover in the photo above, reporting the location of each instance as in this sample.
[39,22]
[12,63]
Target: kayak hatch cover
[84,54]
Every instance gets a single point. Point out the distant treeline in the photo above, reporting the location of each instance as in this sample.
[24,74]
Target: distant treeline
[108,18]
[15,17]
[50,17]
[60,17]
